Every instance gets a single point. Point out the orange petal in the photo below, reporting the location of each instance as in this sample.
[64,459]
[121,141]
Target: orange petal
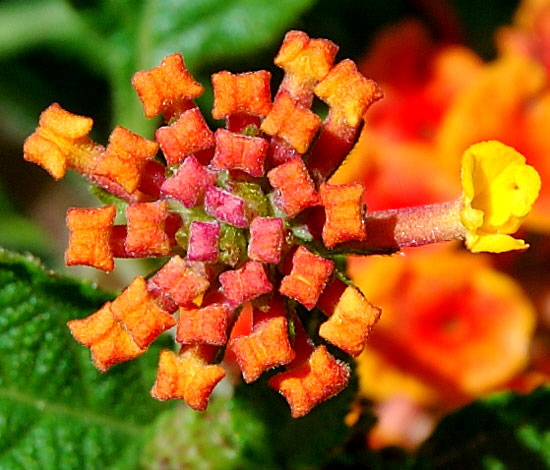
[267,346]
[344,213]
[89,237]
[296,190]
[188,135]
[146,229]
[60,138]
[167,88]
[348,93]
[181,281]
[305,61]
[308,277]
[241,93]
[207,324]
[292,122]
[136,309]
[351,323]
[311,382]
[245,283]
[125,158]
[186,376]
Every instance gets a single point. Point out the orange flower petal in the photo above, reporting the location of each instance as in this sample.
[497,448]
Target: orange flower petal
[305,61]
[292,122]
[348,93]
[181,281]
[125,158]
[266,347]
[167,88]
[351,323]
[108,341]
[61,141]
[146,229]
[308,277]
[239,152]
[136,309]
[188,135]
[295,187]
[344,213]
[89,238]
[267,237]
[245,283]
[207,324]
[187,376]
[311,382]
[241,93]
[91,329]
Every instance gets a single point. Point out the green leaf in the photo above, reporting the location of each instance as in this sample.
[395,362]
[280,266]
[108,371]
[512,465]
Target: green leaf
[506,431]
[56,410]
[206,31]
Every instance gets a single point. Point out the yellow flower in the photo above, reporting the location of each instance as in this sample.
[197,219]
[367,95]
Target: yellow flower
[498,191]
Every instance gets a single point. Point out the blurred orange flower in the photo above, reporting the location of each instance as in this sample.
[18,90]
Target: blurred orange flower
[443,99]
[451,320]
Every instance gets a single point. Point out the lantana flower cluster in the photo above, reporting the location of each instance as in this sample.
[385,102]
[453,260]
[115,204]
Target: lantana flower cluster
[249,224]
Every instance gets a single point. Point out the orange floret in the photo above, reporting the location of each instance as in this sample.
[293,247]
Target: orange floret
[61,141]
[267,346]
[307,278]
[311,382]
[188,135]
[305,61]
[351,323]
[167,89]
[136,309]
[292,122]
[246,283]
[187,376]
[344,213]
[181,281]
[146,229]
[239,152]
[295,187]
[348,93]
[207,324]
[125,158]
[89,237]
[241,93]
[108,341]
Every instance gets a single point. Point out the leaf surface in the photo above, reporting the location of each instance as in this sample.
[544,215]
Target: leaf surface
[56,410]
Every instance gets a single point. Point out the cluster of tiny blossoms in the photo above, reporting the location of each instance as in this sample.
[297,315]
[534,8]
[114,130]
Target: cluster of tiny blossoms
[247,220]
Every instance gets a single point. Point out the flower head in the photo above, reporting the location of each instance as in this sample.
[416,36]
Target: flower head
[499,189]
[249,228]
[233,212]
